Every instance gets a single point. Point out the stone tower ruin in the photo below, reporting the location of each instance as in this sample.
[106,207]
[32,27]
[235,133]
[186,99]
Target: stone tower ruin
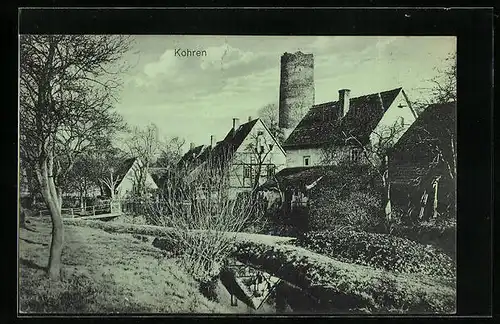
[296,89]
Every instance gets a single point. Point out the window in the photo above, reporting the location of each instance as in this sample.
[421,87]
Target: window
[247,172]
[260,132]
[270,170]
[355,154]
[307,160]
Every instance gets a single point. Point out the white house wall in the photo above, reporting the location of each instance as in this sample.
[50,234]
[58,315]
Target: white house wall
[127,184]
[295,157]
[242,156]
[394,114]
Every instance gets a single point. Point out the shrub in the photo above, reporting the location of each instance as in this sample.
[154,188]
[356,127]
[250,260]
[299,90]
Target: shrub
[359,209]
[339,285]
[383,251]
[441,234]
[349,195]
[342,287]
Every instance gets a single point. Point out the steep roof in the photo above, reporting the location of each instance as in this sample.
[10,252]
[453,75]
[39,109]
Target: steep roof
[412,156]
[322,123]
[223,149]
[123,169]
[299,177]
[191,155]
[233,140]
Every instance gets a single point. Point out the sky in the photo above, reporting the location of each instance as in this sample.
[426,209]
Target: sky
[195,97]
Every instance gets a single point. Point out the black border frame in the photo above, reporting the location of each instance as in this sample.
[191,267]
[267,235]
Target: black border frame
[474,31]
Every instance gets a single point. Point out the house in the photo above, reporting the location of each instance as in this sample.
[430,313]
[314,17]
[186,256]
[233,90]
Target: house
[253,154]
[306,197]
[128,175]
[336,131]
[330,132]
[422,165]
[195,155]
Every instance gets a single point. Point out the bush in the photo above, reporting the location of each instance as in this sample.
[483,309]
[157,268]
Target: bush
[440,234]
[348,195]
[343,287]
[40,205]
[339,285]
[383,251]
[359,209]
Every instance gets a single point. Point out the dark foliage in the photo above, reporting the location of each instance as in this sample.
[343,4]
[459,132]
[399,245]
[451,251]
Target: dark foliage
[380,251]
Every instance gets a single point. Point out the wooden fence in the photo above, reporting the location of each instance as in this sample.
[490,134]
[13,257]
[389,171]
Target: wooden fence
[102,208]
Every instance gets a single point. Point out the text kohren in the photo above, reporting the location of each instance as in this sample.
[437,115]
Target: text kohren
[187,53]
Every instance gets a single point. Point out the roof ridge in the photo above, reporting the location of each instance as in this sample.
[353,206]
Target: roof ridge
[365,95]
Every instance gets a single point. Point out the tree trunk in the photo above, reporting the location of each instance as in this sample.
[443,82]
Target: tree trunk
[22,217]
[388,205]
[435,201]
[53,199]
[387,190]
[82,203]
[423,204]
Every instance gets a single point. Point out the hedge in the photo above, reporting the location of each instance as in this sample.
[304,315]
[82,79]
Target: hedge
[349,287]
[383,251]
[340,286]
[442,237]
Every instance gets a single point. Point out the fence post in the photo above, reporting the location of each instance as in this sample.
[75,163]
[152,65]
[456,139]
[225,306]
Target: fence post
[40,213]
[72,215]
[93,210]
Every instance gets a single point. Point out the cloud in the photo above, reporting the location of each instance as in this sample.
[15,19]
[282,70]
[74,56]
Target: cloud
[180,79]
[241,74]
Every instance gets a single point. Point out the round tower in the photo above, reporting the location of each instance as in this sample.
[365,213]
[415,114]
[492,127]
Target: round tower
[296,89]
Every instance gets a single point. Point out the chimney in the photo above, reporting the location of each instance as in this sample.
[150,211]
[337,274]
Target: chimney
[344,98]
[191,146]
[236,123]
[212,140]
[249,118]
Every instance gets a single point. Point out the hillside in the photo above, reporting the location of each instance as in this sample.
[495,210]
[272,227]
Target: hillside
[107,273]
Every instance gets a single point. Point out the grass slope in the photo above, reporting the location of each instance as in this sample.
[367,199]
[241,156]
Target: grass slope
[104,273]
[341,285]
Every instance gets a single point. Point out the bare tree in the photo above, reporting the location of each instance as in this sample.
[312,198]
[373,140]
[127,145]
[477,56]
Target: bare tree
[440,141]
[196,204]
[145,145]
[444,85]
[67,88]
[375,152]
[106,163]
[80,178]
[170,154]
[256,156]
[269,114]
[111,182]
